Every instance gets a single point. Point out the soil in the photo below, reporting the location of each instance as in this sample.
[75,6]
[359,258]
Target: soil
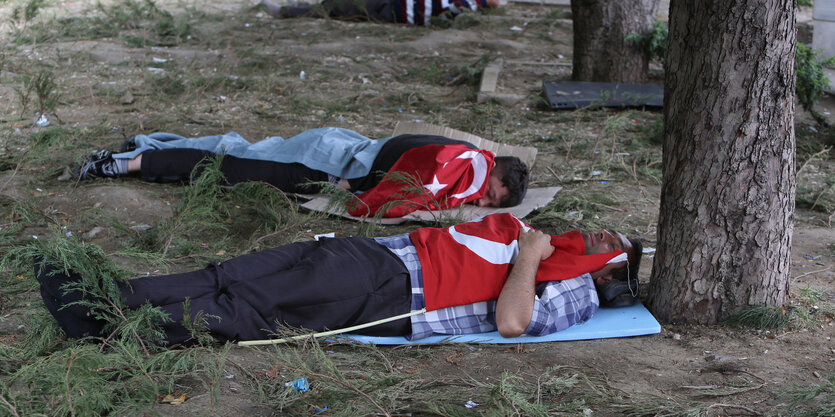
[241,70]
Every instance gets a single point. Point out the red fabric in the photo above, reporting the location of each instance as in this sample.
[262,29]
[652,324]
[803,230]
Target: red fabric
[470,262]
[430,164]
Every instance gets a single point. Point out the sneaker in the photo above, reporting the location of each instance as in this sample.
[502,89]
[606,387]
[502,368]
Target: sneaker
[128,145]
[99,164]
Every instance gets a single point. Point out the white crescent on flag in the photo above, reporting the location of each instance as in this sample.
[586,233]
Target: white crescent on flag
[496,253]
[480,168]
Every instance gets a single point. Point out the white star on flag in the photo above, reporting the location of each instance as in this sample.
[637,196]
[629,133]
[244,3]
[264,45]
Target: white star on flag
[435,186]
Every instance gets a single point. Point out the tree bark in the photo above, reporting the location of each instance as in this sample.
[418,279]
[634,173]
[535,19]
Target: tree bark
[601,51]
[727,203]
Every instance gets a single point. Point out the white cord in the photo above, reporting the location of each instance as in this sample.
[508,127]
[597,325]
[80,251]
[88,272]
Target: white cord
[329,332]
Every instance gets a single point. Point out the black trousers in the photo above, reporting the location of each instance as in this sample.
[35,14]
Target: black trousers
[373,10]
[330,284]
[176,165]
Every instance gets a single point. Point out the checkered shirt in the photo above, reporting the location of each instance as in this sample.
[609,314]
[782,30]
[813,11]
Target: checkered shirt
[557,306]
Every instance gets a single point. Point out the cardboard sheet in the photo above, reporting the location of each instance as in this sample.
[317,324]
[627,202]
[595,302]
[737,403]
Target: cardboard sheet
[526,153]
[535,197]
[635,320]
[575,94]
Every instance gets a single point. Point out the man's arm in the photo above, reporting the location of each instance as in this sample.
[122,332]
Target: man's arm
[515,304]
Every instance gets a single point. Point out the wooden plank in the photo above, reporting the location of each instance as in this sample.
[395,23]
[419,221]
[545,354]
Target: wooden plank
[490,77]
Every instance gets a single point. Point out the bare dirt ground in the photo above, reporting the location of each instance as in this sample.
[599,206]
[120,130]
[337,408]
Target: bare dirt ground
[233,68]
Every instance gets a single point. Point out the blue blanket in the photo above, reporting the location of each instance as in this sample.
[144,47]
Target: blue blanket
[635,320]
[340,152]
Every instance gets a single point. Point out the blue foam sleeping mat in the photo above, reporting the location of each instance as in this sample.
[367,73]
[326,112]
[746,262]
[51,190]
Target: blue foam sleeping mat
[635,320]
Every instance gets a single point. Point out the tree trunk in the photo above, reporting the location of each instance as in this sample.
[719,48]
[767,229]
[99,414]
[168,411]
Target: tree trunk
[601,51]
[727,202]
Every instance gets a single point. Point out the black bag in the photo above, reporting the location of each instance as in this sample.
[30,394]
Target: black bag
[616,293]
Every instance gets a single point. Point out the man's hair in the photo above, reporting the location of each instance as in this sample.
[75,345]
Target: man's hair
[514,175]
[629,272]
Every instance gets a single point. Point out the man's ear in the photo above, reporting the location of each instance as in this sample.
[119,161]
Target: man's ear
[602,279]
[604,274]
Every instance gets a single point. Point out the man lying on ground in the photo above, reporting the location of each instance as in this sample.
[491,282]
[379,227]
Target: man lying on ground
[436,172]
[392,11]
[492,273]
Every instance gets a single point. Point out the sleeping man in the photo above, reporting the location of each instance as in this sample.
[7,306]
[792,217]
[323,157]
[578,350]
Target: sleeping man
[435,172]
[495,273]
[413,12]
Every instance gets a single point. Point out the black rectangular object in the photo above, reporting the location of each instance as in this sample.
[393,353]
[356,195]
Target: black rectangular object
[575,94]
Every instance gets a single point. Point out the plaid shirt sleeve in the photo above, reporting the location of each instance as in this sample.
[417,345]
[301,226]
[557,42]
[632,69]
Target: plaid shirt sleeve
[559,305]
[563,304]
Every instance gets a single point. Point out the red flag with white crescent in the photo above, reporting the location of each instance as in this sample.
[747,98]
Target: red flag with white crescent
[430,177]
[470,262]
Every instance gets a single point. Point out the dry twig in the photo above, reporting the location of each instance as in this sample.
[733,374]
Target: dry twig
[739,407]
[67,384]
[12,408]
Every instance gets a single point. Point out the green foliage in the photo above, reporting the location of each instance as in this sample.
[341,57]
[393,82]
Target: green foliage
[807,3]
[761,317]
[44,336]
[199,208]
[471,74]
[411,194]
[432,71]
[816,400]
[362,383]
[658,41]
[43,87]
[158,26]
[97,289]
[166,85]
[567,211]
[198,325]
[511,396]
[270,206]
[139,22]
[805,314]
[462,20]
[83,380]
[554,385]
[46,90]
[50,137]
[28,11]
[651,133]
[811,80]
[654,43]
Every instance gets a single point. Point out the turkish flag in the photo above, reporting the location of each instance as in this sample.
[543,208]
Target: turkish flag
[430,177]
[470,262]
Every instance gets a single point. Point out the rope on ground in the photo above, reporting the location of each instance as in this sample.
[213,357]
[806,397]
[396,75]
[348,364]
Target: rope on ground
[329,332]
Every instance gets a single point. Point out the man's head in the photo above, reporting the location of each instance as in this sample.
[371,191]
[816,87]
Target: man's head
[507,184]
[605,241]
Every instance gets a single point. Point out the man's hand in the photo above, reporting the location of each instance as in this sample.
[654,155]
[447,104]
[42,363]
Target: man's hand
[514,307]
[536,242]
